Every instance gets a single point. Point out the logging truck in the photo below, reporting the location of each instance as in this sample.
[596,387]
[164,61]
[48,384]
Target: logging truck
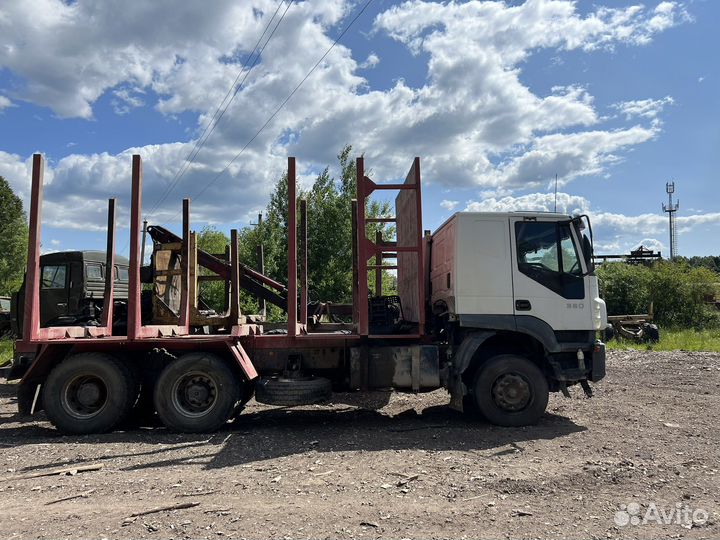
[499,309]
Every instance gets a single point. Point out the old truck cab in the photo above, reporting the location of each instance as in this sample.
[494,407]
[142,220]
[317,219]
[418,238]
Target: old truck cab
[72,285]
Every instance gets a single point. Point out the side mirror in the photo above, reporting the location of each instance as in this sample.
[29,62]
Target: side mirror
[587,253]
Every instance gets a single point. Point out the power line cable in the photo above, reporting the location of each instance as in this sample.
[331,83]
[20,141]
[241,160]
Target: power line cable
[279,108]
[223,106]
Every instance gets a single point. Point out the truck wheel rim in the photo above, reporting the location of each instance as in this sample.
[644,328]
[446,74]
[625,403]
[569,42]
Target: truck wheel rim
[195,394]
[511,392]
[84,397]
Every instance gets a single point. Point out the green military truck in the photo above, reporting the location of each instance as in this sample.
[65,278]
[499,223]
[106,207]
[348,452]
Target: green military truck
[72,286]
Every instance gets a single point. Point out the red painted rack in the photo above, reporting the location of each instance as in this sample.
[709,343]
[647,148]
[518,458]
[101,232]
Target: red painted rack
[408,247]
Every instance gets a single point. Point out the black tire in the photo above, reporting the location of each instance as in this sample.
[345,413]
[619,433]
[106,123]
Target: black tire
[89,393]
[651,333]
[196,393]
[300,391]
[510,390]
[608,333]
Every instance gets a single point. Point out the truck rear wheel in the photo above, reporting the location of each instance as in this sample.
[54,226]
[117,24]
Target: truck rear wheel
[196,393]
[510,390]
[89,393]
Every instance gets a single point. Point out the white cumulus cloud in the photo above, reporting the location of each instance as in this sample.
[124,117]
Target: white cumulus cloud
[473,120]
[5,102]
[647,108]
[449,205]
[613,231]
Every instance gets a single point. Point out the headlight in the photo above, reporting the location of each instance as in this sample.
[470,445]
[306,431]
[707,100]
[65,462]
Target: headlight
[599,314]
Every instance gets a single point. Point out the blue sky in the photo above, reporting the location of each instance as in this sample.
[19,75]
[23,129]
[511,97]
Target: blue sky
[614,97]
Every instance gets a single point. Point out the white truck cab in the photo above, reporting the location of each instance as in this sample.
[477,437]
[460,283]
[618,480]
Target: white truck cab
[522,284]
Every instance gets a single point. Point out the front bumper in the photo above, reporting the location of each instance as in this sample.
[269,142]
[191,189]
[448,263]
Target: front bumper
[569,368]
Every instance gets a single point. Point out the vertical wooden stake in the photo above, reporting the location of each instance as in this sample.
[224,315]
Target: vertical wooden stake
[226,303]
[292,249]
[135,286]
[108,296]
[303,262]
[234,279]
[192,274]
[420,252]
[378,263]
[261,263]
[185,267]
[31,314]
[353,211]
[363,322]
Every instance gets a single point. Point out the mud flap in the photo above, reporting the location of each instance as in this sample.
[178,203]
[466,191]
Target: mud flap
[461,361]
[243,361]
[598,362]
[26,396]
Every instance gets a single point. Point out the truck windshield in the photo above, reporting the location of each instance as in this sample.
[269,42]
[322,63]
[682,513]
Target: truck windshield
[53,277]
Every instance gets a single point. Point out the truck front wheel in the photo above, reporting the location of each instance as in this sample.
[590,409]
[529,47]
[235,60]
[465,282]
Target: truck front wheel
[89,393]
[510,390]
[196,393]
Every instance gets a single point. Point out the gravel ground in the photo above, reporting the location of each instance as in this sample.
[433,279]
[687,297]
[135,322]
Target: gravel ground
[392,466]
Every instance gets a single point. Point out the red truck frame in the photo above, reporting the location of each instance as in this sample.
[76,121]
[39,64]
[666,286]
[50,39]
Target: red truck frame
[245,346]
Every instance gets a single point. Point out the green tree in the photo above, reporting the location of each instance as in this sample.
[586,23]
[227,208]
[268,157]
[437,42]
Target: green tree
[13,239]
[710,262]
[329,232]
[212,292]
[329,239]
[213,241]
[677,291]
[625,288]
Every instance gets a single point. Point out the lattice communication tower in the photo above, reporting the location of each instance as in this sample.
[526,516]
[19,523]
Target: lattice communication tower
[671,209]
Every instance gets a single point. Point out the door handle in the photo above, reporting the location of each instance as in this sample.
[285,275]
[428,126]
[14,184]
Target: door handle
[61,304]
[523,305]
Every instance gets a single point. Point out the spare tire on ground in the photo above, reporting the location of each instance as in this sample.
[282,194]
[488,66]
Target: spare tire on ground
[292,391]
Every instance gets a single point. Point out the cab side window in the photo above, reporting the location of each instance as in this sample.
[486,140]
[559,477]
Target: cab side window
[93,271]
[53,277]
[546,253]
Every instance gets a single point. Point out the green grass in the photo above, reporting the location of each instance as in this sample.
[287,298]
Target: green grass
[673,340]
[6,351]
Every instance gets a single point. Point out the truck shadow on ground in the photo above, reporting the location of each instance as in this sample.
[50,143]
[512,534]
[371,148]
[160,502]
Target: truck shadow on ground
[269,433]
[277,433]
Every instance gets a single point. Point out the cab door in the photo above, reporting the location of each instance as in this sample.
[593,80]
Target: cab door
[548,281]
[53,292]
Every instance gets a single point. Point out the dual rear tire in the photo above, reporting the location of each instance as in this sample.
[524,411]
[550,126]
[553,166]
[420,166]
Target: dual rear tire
[94,392]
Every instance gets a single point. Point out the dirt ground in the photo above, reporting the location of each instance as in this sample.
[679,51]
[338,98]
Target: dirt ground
[410,468]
